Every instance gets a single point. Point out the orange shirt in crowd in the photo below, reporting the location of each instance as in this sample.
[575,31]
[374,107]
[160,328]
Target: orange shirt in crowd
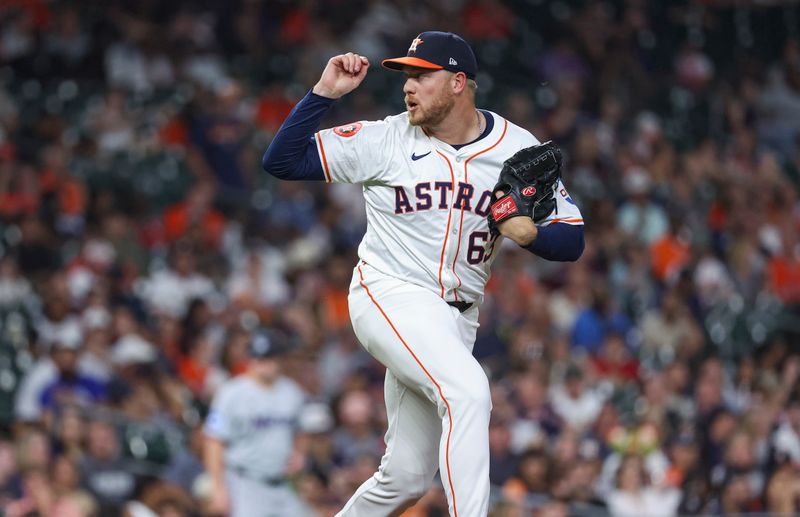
[271,111]
[296,26]
[488,22]
[38,11]
[335,308]
[627,370]
[13,204]
[177,223]
[668,255]
[784,279]
[717,217]
[174,133]
[192,373]
[72,198]
[70,191]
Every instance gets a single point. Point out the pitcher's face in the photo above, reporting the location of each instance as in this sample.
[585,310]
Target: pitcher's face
[428,96]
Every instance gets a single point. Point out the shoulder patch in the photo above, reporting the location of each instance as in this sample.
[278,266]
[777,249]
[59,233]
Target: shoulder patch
[565,195]
[348,130]
[215,422]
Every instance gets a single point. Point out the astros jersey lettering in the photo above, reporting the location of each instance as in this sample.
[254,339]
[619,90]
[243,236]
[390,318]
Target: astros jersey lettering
[426,201]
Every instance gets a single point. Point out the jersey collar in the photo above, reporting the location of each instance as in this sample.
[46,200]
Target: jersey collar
[491,129]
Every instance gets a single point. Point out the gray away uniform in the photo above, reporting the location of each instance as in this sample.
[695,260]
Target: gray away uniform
[257,425]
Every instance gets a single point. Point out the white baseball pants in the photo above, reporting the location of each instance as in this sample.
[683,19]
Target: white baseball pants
[437,398]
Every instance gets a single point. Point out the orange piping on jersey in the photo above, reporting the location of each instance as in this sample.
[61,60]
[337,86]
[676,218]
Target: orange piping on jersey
[324,159]
[449,215]
[505,128]
[466,178]
[458,247]
[566,220]
[428,374]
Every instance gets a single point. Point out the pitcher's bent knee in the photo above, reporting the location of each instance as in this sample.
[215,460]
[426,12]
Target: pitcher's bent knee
[410,487]
[472,396]
[401,486]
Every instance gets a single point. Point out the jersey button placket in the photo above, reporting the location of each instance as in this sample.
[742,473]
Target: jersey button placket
[448,278]
[460,174]
[451,244]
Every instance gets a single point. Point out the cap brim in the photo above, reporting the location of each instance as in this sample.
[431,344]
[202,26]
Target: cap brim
[399,64]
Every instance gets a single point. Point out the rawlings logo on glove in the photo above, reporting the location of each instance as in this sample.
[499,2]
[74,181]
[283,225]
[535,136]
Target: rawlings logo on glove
[504,208]
[527,185]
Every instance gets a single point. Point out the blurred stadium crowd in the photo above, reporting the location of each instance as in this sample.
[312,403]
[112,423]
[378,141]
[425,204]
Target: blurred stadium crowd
[140,245]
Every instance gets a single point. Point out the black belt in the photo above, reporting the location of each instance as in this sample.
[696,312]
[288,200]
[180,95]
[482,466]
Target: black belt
[461,306]
[254,476]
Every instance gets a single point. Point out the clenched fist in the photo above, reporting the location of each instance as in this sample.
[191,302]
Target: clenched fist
[342,75]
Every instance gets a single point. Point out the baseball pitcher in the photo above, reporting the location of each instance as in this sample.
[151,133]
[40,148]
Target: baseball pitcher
[443,183]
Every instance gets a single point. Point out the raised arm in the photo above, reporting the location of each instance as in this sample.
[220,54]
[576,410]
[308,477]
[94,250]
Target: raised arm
[342,75]
[292,154]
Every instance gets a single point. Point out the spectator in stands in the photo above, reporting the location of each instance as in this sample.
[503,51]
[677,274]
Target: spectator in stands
[614,361]
[104,471]
[217,133]
[258,283]
[172,289]
[553,509]
[162,499]
[185,469]
[65,481]
[670,329]
[36,495]
[536,419]
[786,439]
[640,218]
[8,473]
[69,438]
[684,458]
[356,437]
[597,320]
[198,368]
[530,486]
[15,290]
[783,490]
[634,495]
[322,457]
[734,496]
[69,387]
[503,461]
[60,366]
[36,252]
[576,404]
[195,218]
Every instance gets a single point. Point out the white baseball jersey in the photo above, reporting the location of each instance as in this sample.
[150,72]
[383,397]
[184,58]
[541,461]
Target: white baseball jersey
[427,202]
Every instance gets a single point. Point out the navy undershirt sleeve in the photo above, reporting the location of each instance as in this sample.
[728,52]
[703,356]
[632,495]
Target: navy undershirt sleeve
[292,154]
[558,242]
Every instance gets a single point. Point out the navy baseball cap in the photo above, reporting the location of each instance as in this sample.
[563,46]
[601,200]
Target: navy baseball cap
[264,345]
[434,50]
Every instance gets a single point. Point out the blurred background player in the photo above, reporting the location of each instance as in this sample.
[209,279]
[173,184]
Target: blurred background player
[252,444]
